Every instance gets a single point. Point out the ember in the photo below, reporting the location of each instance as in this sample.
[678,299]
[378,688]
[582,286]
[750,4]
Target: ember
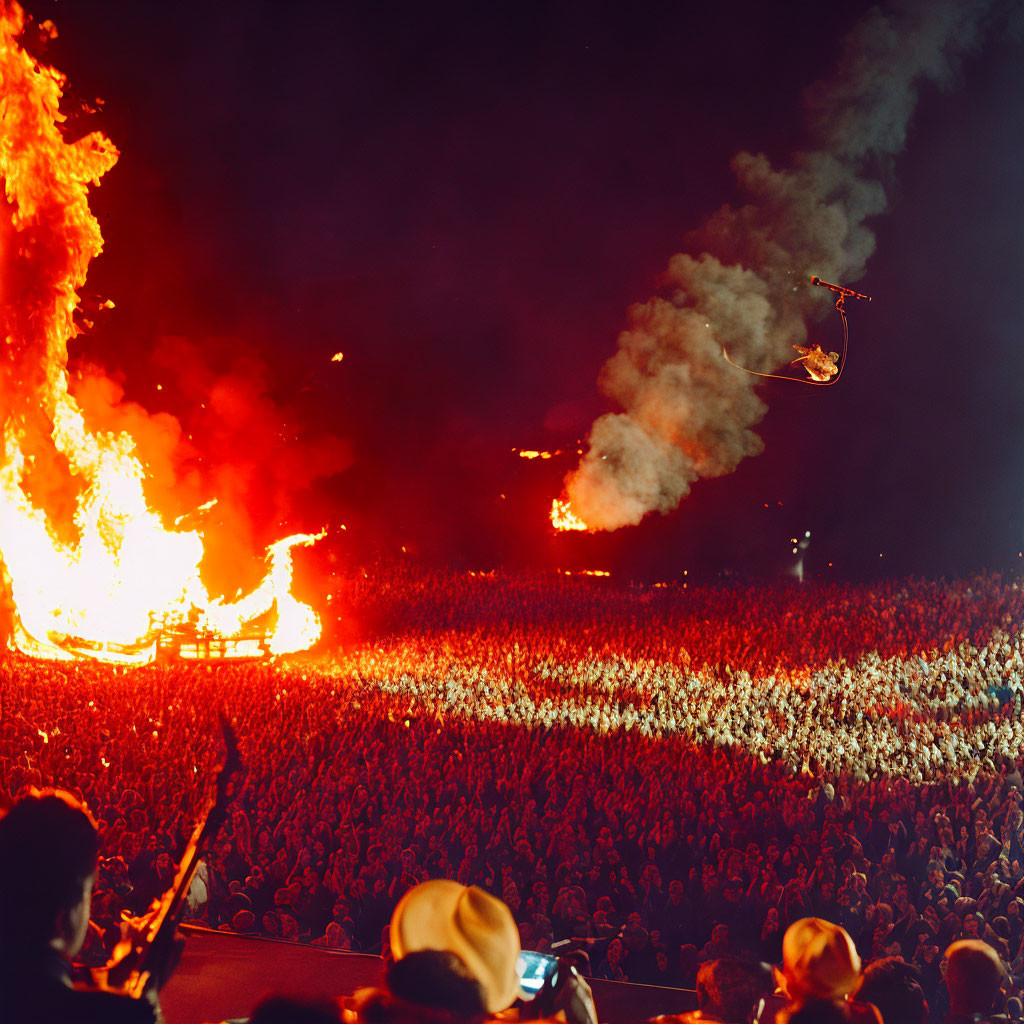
[97,575]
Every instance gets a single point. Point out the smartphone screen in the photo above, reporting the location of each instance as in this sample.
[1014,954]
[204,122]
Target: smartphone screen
[534,969]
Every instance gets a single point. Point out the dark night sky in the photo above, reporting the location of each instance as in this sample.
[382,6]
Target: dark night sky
[465,199]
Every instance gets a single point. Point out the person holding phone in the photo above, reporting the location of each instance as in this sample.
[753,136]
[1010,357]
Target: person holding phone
[457,960]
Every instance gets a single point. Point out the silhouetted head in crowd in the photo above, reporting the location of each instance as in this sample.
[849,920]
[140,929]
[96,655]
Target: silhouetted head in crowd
[974,976]
[895,988]
[48,852]
[438,980]
[244,922]
[284,1010]
[819,1012]
[729,988]
[688,963]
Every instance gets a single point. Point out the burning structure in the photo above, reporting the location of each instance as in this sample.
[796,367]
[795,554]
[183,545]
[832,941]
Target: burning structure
[92,568]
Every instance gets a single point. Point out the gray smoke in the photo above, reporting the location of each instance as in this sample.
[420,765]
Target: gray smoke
[687,412]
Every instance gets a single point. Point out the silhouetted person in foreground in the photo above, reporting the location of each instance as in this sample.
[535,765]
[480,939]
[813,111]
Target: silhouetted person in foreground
[287,1010]
[974,979]
[895,989]
[820,974]
[729,990]
[48,851]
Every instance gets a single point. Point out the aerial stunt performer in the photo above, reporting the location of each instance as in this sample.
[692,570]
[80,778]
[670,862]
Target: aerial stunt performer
[823,368]
[820,365]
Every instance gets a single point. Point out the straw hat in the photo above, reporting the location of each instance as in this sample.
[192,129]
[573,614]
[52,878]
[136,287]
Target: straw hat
[478,928]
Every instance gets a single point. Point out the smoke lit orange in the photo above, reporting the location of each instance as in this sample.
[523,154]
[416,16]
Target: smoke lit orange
[106,585]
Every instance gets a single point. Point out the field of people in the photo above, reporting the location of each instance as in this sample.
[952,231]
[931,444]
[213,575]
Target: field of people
[666,773]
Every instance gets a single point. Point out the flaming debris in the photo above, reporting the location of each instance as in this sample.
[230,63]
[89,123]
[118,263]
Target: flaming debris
[563,517]
[533,453]
[92,568]
[687,412]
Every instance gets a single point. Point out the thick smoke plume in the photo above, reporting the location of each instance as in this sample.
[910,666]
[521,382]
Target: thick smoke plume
[687,412]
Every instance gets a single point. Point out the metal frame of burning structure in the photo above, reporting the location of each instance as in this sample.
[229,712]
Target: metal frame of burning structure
[165,642]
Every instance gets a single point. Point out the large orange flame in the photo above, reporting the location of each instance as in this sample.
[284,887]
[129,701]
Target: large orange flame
[107,583]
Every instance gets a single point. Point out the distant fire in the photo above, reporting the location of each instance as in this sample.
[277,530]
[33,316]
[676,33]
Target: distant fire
[533,453]
[337,357]
[92,568]
[563,517]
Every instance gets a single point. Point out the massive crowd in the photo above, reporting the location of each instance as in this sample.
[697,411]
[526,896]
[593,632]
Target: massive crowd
[665,775]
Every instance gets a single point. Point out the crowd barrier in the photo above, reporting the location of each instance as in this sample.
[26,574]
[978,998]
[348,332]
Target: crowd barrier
[222,976]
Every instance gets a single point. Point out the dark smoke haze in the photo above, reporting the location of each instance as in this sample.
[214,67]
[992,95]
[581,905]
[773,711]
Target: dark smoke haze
[687,412]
